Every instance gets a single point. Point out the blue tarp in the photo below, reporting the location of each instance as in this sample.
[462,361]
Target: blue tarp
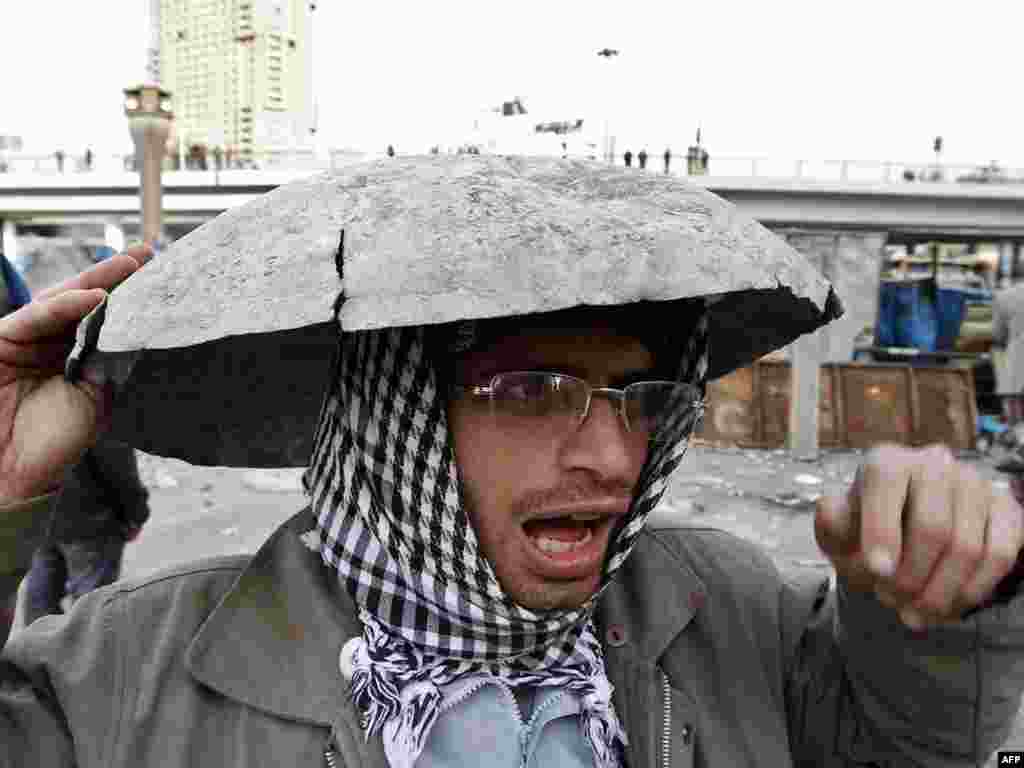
[909,317]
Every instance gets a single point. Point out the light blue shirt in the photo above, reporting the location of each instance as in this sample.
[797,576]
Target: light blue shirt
[484,724]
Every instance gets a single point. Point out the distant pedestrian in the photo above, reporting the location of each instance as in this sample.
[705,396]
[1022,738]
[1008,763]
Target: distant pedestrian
[88,159]
[668,159]
[218,157]
[391,151]
[628,157]
[642,158]
[59,154]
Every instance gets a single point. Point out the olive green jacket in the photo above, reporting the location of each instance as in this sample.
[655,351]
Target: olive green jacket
[716,659]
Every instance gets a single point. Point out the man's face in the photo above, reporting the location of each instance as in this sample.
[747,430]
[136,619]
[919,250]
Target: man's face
[525,491]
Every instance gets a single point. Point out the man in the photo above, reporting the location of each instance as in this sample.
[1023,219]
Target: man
[642,159]
[668,158]
[1008,340]
[464,590]
[628,159]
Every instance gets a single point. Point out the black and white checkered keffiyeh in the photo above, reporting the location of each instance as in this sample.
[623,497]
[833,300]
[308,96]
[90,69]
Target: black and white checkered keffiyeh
[386,496]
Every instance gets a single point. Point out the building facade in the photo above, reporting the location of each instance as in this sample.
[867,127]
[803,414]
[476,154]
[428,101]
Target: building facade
[240,75]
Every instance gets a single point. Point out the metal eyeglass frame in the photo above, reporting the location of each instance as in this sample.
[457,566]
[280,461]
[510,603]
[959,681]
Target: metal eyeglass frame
[611,393]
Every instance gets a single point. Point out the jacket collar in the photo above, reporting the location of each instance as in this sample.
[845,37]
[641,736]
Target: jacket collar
[652,599]
[274,640]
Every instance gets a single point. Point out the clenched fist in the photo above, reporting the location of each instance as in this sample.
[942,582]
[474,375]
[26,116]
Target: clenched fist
[927,534]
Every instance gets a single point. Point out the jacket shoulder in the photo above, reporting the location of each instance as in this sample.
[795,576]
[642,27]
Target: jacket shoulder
[212,575]
[705,547]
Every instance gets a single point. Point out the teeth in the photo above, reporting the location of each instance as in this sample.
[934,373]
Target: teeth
[554,546]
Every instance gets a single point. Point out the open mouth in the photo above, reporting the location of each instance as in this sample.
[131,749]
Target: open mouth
[568,546]
[561,534]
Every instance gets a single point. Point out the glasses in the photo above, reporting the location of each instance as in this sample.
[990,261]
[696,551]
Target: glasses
[534,400]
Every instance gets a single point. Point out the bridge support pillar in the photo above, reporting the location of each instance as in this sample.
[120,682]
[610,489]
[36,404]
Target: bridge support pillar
[852,261]
[9,244]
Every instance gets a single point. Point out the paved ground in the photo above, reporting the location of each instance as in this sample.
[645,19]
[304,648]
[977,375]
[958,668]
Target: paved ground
[761,495]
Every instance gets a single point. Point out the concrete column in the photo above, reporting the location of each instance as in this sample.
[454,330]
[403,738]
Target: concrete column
[150,136]
[10,241]
[852,262]
[806,356]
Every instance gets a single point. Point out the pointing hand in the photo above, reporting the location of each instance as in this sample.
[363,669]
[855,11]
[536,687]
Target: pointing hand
[927,534]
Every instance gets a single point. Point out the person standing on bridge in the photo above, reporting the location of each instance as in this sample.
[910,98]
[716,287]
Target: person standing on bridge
[483,573]
[628,159]
[642,159]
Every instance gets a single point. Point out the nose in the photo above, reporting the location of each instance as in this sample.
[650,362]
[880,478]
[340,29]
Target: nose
[602,446]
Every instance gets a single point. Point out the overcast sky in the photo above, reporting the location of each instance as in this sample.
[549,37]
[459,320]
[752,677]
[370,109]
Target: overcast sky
[786,78]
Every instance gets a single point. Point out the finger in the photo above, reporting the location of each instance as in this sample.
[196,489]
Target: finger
[42,357]
[42,320]
[837,531]
[883,494]
[1002,545]
[837,525]
[927,519]
[970,497]
[107,274]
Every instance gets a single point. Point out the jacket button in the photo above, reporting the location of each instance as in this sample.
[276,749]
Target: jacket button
[616,635]
[687,734]
[347,657]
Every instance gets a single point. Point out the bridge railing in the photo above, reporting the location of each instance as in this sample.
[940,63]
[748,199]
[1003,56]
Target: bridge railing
[844,170]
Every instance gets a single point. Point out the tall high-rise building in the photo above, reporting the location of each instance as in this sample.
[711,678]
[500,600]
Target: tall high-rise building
[239,71]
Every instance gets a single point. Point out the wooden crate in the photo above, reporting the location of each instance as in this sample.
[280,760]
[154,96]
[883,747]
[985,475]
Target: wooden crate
[877,404]
[860,405]
[947,407]
[732,412]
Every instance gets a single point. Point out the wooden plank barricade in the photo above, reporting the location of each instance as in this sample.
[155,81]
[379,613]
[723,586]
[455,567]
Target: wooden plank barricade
[860,405]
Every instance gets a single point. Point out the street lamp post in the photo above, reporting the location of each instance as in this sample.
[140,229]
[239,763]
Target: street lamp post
[607,54]
[148,109]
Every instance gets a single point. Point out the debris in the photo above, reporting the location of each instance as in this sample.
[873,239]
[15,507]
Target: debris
[232,531]
[793,500]
[680,508]
[707,481]
[273,480]
[206,487]
[807,480]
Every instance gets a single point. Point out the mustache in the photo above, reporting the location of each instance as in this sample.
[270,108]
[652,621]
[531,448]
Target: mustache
[542,499]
